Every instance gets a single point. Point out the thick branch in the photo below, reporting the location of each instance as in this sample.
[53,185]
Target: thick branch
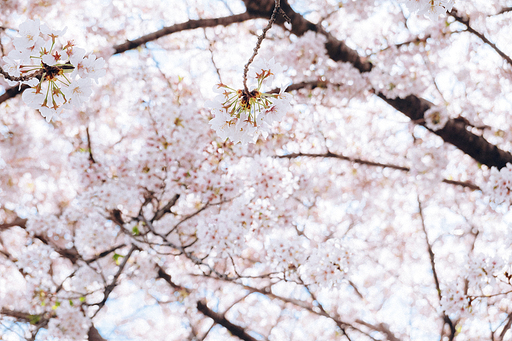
[16,222]
[189,25]
[220,319]
[94,335]
[454,132]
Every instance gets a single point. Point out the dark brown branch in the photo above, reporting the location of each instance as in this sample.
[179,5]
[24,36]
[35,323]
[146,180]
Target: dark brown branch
[506,327]
[221,319]
[304,85]
[91,157]
[166,277]
[109,288]
[166,209]
[16,222]
[454,132]
[12,92]
[465,20]
[189,25]
[381,327]
[504,10]
[374,164]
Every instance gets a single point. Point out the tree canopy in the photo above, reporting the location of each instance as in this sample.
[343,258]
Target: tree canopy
[255,170]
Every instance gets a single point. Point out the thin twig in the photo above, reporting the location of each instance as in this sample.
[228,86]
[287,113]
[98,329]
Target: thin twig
[373,164]
[91,157]
[446,318]
[465,20]
[109,288]
[260,40]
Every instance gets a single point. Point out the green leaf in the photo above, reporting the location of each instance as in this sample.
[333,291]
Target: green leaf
[135,230]
[116,258]
[34,319]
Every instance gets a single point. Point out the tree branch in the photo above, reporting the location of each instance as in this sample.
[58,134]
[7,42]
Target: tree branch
[94,335]
[371,163]
[446,318]
[381,327]
[465,20]
[166,209]
[221,319]
[109,288]
[189,25]
[16,222]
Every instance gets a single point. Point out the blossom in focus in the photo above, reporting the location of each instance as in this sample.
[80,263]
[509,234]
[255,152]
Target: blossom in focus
[60,73]
[241,116]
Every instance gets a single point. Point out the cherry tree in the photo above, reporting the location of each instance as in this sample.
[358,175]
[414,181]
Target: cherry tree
[255,170]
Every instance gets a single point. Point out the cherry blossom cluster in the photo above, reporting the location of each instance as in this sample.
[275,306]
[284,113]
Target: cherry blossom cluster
[430,8]
[485,269]
[242,115]
[499,185]
[454,301]
[70,323]
[436,118]
[327,265]
[59,75]
[286,253]
[427,163]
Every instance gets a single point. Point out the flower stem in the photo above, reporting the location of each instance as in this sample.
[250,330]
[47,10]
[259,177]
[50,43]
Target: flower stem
[277,6]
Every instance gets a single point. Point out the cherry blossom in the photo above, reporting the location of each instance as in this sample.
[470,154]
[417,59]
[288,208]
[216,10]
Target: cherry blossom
[436,118]
[242,116]
[37,52]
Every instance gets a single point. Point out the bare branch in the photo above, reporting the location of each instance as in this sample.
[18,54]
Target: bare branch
[446,318]
[189,25]
[16,222]
[166,209]
[109,288]
[277,6]
[221,319]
